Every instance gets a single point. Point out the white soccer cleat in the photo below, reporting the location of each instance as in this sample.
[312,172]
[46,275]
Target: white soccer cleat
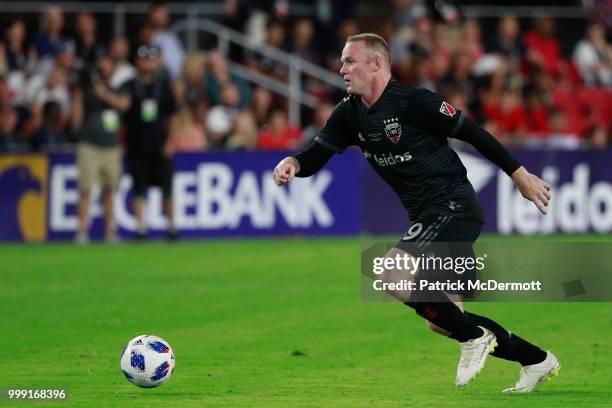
[473,356]
[534,375]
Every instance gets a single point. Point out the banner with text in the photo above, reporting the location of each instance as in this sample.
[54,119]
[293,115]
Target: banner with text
[232,194]
[215,194]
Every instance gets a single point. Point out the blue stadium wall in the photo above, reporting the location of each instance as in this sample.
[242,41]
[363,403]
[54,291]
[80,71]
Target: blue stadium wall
[232,195]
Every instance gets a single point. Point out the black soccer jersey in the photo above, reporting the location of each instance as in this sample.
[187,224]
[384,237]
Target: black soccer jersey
[404,137]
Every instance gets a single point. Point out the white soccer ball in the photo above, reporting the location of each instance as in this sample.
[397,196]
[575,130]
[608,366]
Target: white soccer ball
[147,361]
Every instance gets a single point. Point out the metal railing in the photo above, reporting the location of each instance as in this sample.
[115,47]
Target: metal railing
[297,66]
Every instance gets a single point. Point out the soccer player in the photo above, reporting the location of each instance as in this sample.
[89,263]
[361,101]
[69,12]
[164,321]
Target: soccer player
[403,133]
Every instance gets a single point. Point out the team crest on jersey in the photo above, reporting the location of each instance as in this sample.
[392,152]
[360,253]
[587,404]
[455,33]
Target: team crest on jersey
[393,129]
[447,109]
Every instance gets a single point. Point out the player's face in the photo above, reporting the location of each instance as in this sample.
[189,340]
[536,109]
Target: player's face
[356,67]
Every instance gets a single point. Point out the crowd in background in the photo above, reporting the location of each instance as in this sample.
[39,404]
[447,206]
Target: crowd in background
[516,83]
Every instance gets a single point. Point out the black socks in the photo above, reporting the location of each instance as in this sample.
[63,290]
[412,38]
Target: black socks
[445,314]
[509,346]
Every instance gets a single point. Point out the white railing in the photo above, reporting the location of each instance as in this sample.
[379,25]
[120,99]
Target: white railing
[297,66]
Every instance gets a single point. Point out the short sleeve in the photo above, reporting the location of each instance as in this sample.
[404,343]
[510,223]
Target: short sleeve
[434,115]
[336,134]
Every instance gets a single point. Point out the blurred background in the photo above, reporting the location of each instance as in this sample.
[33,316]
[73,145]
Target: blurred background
[253,80]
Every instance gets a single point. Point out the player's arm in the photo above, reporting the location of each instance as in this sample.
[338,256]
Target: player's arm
[303,164]
[430,112]
[531,186]
[334,138]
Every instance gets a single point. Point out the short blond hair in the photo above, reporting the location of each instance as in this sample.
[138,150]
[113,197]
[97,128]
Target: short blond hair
[373,42]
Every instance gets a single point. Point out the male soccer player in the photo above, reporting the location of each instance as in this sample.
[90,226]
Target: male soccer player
[403,133]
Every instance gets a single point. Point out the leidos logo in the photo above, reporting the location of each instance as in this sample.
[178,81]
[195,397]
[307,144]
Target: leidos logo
[388,159]
[23,188]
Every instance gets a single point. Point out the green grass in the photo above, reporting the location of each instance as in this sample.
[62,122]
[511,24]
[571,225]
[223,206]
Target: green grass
[235,311]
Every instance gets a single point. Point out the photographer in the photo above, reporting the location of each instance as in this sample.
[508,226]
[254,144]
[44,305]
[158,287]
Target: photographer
[149,155]
[96,118]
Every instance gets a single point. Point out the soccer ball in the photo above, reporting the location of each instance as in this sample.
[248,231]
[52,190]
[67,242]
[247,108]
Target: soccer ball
[147,361]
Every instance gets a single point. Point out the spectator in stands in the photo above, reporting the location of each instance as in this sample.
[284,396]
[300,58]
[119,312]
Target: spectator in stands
[302,40]
[65,58]
[345,29]
[152,103]
[508,114]
[119,51]
[235,15]
[187,131]
[279,134]
[459,75]
[218,74]
[420,71]
[262,105]
[3,63]
[405,12]
[10,139]
[320,115]
[42,89]
[276,37]
[543,51]
[87,47]
[458,97]
[50,36]
[172,49]
[598,138]
[96,119]
[593,57]
[507,43]
[470,39]
[538,124]
[244,132]
[15,53]
[191,86]
[441,52]
[220,118]
[51,135]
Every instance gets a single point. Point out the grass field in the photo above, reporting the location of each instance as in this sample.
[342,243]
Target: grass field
[274,323]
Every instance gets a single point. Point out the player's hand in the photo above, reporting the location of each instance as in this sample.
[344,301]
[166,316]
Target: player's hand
[532,188]
[285,171]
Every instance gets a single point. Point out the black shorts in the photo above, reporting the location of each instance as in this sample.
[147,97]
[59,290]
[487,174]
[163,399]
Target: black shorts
[150,170]
[444,236]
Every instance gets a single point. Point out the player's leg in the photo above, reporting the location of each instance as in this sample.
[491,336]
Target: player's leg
[138,168]
[509,346]
[111,175]
[432,305]
[537,364]
[456,299]
[165,176]
[87,167]
[431,237]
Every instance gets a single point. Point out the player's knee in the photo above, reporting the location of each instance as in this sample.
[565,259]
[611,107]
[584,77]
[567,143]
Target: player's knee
[393,285]
[436,329]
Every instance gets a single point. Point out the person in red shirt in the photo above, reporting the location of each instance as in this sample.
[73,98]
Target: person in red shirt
[279,134]
[507,113]
[543,50]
